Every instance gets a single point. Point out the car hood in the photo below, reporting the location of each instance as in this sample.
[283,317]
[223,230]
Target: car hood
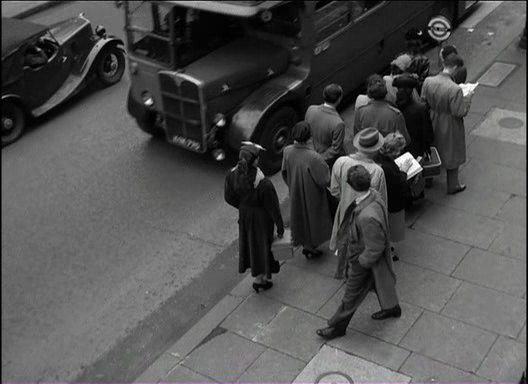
[242,63]
[63,30]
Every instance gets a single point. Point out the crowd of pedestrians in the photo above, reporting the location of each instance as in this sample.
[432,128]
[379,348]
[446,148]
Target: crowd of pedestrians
[355,200]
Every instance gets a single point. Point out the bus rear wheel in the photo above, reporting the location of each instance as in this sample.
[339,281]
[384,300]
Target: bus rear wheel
[275,135]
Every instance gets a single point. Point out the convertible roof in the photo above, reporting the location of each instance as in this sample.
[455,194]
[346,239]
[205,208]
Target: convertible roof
[234,8]
[15,32]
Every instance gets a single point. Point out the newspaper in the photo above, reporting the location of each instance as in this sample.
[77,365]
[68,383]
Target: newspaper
[468,88]
[413,170]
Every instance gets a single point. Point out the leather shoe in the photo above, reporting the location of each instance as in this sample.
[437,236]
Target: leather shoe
[330,333]
[386,313]
[458,189]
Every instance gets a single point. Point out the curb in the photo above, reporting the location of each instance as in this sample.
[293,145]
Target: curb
[39,8]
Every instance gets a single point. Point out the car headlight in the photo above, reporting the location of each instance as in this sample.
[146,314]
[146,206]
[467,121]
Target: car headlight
[100,31]
[219,120]
[148,100]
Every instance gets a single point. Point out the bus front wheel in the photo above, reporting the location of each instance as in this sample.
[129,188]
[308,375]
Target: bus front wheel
[275,135]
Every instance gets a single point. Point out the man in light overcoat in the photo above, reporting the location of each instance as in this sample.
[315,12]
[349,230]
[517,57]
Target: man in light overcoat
[448,106]
[364,238]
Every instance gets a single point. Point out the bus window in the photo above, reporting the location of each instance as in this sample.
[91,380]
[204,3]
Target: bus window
[331,18]
[359,8]
[284,20]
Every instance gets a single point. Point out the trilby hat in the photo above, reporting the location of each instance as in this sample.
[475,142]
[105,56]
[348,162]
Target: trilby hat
[368,140]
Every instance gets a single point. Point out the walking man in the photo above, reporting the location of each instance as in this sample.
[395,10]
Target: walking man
[448,107]
[307,176]
[363,236]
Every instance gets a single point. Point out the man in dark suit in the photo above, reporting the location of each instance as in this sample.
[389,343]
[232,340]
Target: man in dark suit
[328,128]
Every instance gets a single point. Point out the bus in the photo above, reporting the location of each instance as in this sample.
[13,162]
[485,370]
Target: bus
[207,75]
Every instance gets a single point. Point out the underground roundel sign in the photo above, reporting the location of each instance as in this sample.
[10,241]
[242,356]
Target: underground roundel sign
[439,28]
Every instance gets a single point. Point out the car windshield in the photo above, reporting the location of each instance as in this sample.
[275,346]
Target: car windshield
[196,33]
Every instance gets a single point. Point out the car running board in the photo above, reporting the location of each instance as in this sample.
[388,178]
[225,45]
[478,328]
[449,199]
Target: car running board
[67,90]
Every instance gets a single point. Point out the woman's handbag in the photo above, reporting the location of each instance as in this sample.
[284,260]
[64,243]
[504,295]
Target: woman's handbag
[431,166]
[282,249]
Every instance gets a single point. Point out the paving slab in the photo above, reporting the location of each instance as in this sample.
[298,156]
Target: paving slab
[449,341]
[496,74]
[293,332]
[514,211]
[224,358]
[431,252]
[482,202]
[390,330]
[244,288]
[522,335]
[252,315]
[486,308]
[205,325]
[346,367]
[463,227]
[506,154]
[493,271]
[159,369]
[510,242]
[324,265]
[302,289]
[485,174]
[272,367]
[371,349]
[423,287]
[506,361]
[503,125]
[425,370]
[182,374]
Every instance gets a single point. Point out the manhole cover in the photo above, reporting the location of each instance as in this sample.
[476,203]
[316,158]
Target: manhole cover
[511,123]
[334,377]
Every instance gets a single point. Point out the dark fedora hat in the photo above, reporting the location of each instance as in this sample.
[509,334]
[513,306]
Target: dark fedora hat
[368,140]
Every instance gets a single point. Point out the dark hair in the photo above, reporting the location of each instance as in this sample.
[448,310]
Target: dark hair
[244,173]
[358,178]
[301,132]
[447,50]
[373,79]
[377,91]
[453,60]
[395,70]
[332,93]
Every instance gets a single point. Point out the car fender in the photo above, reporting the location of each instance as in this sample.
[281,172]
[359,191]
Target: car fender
[101,44]
[282,90]
[16,99]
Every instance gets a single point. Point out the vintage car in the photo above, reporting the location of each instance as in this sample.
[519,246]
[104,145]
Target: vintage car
[44,66]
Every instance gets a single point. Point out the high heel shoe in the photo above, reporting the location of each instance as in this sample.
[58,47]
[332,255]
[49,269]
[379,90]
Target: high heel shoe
[264,286]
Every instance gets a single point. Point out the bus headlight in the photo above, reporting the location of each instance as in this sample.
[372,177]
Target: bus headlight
[219,120]
[148,100]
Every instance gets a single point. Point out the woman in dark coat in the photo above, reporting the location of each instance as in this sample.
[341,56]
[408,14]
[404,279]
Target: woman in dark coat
[416,115]
[397,188]
[248,190]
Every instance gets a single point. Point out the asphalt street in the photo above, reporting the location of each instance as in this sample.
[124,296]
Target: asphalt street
[101,225]
[115,243]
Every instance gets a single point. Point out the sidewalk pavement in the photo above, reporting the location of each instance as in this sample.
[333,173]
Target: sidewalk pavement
[23,9]
[461,281]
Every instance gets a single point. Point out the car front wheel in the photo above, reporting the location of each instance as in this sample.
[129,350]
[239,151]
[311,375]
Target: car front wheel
[110,66]
[13,123]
